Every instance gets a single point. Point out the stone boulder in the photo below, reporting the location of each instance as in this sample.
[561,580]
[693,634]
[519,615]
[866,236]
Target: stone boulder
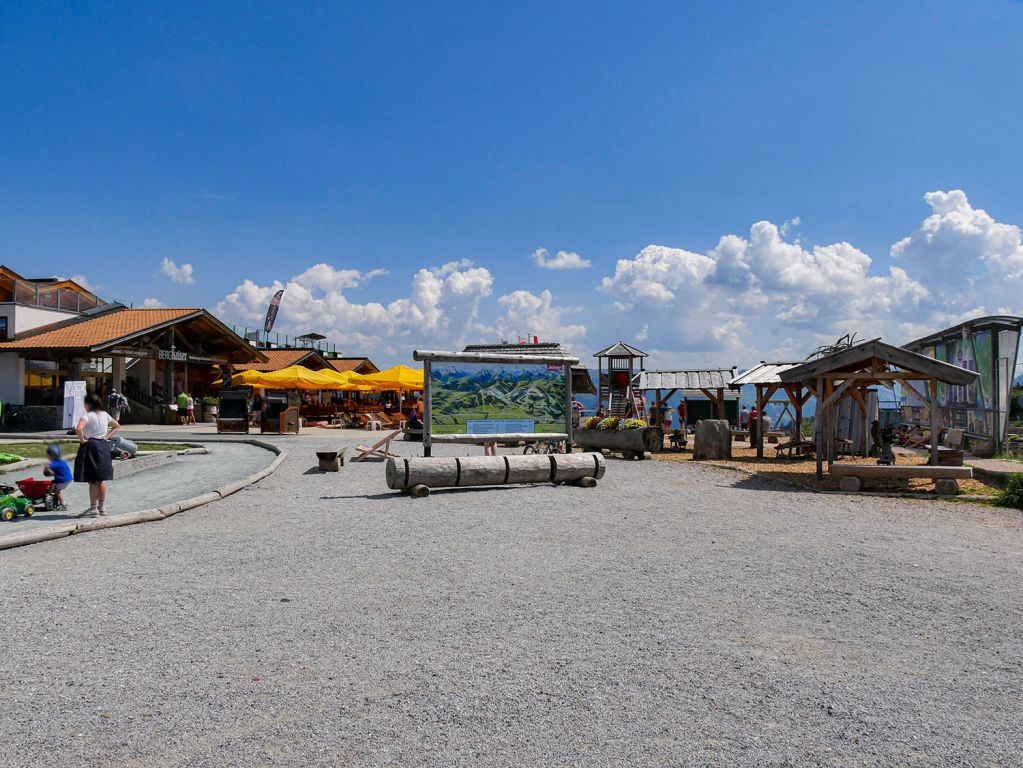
[713,439]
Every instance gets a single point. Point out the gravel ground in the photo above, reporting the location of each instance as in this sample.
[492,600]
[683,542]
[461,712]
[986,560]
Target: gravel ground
[674,615]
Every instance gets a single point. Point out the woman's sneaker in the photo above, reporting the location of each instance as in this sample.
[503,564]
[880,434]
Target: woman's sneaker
[90,512]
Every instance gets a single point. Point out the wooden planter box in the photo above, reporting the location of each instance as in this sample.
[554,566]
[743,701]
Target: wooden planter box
[631,442]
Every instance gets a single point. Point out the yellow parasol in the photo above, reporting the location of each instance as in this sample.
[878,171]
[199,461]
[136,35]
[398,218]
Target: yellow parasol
[292,377]
[400,377]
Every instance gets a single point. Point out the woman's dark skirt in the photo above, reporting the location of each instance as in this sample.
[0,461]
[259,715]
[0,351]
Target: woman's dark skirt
[93,463]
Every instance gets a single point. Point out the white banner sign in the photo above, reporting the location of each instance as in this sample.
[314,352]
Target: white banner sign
[74,403]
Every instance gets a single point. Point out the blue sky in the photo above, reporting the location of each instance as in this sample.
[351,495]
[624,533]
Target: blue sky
[421,153]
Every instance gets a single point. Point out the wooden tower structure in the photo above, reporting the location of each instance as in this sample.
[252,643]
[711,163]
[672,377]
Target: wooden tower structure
[617,369]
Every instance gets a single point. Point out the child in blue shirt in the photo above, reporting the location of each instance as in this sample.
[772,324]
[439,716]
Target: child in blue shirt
[61,473]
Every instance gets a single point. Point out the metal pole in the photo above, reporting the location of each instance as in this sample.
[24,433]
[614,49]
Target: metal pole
[427,409]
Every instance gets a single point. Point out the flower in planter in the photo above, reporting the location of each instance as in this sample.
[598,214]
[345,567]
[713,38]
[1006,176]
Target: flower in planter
[632,424]
[609,423]
[592,423]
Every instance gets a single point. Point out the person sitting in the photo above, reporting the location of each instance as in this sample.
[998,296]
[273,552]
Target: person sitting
[414,422]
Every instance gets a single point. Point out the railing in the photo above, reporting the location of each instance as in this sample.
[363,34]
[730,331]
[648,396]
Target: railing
[50,297]
[285,341]
[136,393]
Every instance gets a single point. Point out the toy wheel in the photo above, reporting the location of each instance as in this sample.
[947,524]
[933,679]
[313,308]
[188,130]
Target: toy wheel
[29,511]
[7,513]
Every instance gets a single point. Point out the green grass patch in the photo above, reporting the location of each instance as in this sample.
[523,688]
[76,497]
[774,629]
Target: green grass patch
[1012,494]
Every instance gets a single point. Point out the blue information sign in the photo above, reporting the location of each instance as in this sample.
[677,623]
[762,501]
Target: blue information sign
[499,426]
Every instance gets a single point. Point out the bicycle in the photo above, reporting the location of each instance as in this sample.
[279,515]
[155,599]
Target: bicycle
[543,447]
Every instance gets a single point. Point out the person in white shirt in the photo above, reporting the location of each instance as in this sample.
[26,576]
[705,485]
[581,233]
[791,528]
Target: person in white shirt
[92,462]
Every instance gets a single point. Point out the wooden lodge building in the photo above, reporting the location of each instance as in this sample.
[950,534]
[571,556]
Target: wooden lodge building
[53,331]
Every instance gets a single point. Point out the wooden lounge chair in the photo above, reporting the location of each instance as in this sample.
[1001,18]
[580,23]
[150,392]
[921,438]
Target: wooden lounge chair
[381,449]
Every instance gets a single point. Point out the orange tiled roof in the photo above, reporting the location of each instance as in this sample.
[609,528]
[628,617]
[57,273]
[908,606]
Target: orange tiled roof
[348,363]
[91,332]
[277,359]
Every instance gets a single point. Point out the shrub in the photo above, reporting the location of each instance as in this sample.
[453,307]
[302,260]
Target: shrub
[632,424]
[609,423]
[592,422]
[1012,494]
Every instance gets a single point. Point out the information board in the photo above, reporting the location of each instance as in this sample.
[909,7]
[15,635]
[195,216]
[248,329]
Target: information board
[490,398]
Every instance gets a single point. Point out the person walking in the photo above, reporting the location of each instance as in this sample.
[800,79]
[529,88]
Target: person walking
[190,410]
[744,418]
[92,462]
[114,404]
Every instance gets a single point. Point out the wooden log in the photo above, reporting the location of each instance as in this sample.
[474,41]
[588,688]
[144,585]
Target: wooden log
[501,437]
[488,470]
[902,472]
[570,467]
[474,471]
[528,469]
[642,439]
[436,471]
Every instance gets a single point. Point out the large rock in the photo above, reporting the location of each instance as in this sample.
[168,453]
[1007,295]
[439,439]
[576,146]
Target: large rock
[713,439]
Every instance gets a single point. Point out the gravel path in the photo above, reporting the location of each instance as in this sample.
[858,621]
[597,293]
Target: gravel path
[675,615]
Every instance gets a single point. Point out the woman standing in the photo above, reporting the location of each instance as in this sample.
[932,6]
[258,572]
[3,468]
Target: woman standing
[92,462]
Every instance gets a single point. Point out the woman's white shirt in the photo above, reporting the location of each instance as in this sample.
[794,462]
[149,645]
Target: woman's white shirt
[97,424]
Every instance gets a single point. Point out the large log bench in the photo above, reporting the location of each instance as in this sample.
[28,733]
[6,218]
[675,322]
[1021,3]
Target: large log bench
[946,479]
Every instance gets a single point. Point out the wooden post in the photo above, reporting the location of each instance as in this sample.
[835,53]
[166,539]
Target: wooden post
[657,406]
[721,403]
[932,390]
[427,408]
[797,403]
[569,410]
[829,442]
[819,428]
[760,421]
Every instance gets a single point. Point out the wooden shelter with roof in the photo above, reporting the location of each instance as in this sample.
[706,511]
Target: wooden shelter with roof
[616,372]
[766,380]
[849,372]
[712,383]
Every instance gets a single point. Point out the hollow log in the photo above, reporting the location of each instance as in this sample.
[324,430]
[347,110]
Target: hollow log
[641,439]
[474,471]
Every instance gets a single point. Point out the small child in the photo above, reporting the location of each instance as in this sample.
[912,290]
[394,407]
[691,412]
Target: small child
[61,473]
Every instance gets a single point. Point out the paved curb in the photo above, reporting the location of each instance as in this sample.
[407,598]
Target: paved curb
[60,530]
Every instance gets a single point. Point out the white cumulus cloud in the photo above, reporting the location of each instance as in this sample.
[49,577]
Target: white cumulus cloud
[179,274]
[441,309]
[560,260]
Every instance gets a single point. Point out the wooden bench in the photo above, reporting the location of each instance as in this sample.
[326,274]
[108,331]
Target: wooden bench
[795,448]
[331,461]
[946,479]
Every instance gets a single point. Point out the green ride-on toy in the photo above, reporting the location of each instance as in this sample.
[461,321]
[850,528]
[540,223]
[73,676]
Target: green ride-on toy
[11,506]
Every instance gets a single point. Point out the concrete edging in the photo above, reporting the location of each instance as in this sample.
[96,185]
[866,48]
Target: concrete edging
[60,530]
